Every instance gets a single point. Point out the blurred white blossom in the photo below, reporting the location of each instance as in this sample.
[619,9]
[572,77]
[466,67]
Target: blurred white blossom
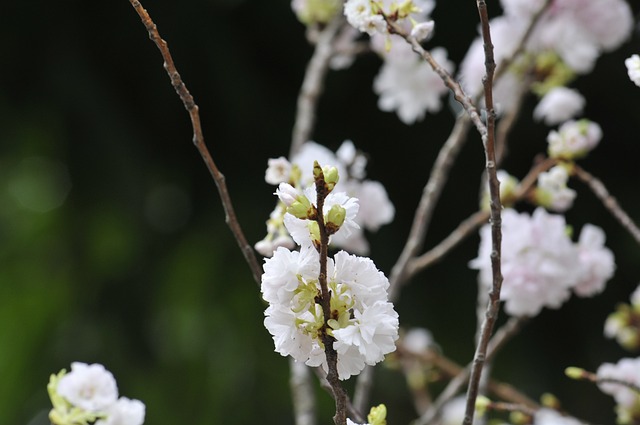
[541,266]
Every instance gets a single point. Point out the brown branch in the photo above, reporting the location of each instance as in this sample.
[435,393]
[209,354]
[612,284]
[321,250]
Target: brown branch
[339,393]
[461,375]
[313,85]
[610,202]
[455,87]
[198,140]
[488,139]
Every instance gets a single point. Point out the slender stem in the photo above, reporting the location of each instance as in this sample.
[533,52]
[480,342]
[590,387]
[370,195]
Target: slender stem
[461,375]
[333,378]
[310,91]
[610,202]
[313,85]
[488,140]
[455,87]
[198,140]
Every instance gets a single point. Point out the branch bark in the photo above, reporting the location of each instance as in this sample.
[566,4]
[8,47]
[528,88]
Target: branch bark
[198,140]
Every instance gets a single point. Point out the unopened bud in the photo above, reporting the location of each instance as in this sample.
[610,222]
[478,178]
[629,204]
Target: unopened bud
[423,30]
[336,215]
[574,372]
[331,177]
[378,415]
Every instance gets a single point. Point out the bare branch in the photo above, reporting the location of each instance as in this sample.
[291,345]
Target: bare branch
[600,190]
[198,140]
[488,139]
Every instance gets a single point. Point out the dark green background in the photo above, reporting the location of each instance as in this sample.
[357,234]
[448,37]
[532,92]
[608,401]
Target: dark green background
[172,311]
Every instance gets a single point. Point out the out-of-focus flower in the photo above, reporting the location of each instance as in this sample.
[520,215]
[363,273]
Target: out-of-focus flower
[633,68]
[574,139]
[558,105]
[540,263]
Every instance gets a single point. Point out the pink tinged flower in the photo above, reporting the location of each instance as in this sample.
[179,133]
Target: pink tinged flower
[633,68]
[539,262]
[505,34]
[574,139]
[278,170]
[552,191]
[90,387]
[596,260]
[124,412]
[410,87]
[626,370]
[558,105]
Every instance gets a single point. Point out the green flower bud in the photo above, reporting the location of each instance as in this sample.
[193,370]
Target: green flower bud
[574,372]
[330,177]
[378,415]
[336,216]
[312,12]
[302,208]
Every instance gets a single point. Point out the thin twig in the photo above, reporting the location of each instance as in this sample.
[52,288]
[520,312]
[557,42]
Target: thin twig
[600,190]
[488,139]
[310,91]
[313,85]
[455,87]
[339,393]
[435,254]
[198,140]
[354,413]
[461,375]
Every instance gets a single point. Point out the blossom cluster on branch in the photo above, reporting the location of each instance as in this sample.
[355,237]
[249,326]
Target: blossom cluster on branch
[88,394]
[363,324]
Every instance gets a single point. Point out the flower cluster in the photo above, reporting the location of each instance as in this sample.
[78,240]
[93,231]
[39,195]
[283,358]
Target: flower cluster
[613,378]
[574,139]
[541,266]
[405,83]
[633,68]
[374,208]
[552,191]
[624,323]
[89,395]
[566,40]
[363,324]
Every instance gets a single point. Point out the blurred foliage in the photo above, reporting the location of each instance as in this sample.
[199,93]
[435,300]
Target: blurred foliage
[113,246]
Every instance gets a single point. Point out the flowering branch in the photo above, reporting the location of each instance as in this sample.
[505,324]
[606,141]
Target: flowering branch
[198,140]
[339,392]
[313,85]
[610,202]
[458,93]
[488,140]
